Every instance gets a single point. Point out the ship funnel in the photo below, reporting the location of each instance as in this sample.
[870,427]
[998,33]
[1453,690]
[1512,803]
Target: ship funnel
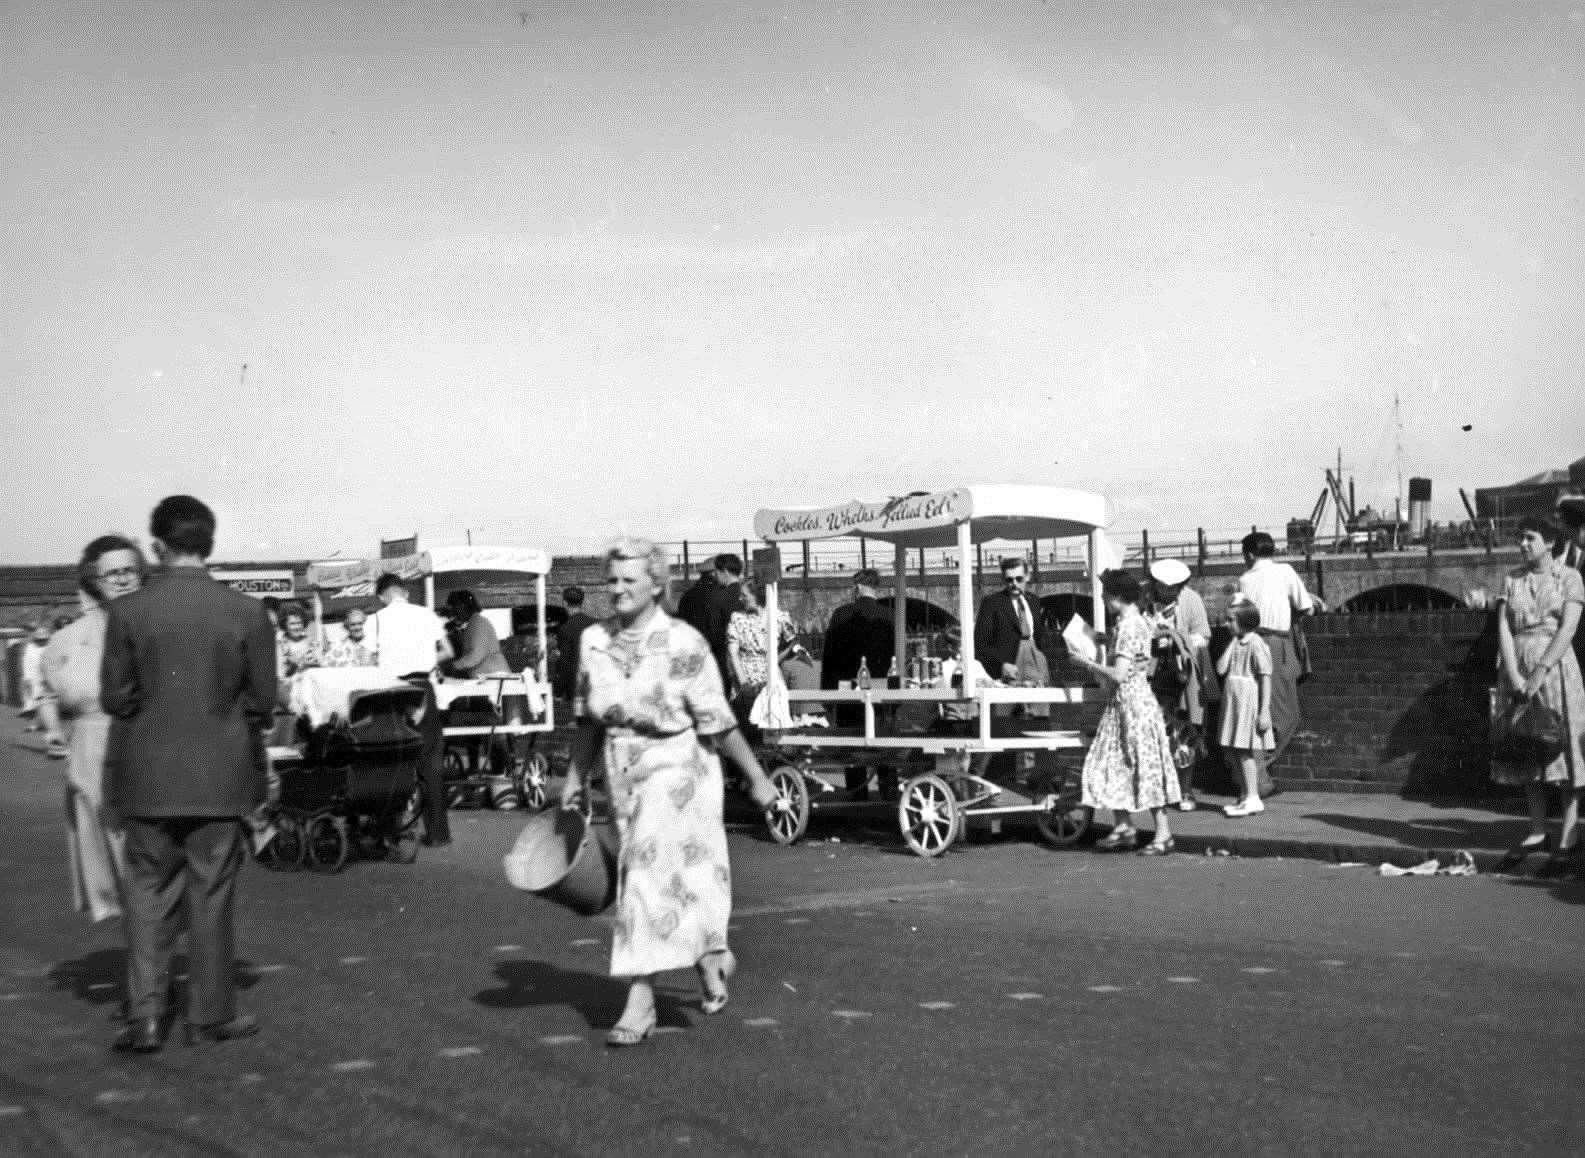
[1419,500]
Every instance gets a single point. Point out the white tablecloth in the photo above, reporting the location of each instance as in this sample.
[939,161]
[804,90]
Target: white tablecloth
[321,694]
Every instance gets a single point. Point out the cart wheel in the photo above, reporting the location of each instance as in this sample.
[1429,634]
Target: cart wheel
[928,815]
[288,850]
[531,776]
[788,817]
[327,843]
[1062,822]
[453,763]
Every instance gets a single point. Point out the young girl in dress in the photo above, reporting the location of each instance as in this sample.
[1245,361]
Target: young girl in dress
[1246,735]
[1129,767]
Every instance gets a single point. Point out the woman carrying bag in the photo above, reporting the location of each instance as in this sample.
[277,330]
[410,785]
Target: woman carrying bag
[1538,677]
[651,710]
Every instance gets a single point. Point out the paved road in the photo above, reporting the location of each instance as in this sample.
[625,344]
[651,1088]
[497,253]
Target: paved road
[1006,999]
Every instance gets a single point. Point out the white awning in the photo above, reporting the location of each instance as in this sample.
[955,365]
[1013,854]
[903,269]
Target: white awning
[993,511]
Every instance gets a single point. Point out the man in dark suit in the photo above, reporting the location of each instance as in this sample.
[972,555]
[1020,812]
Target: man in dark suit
[858,630]
[725,601]
[568,636]
[695,601]
[1009,630]
[189,678]
[861,630]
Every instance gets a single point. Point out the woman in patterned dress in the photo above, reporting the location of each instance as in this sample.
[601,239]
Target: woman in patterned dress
[748,653]
[651,709]
[1129,766]
[1536,624]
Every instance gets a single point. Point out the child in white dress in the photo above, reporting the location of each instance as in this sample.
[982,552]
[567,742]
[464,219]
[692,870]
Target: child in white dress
[1246,734]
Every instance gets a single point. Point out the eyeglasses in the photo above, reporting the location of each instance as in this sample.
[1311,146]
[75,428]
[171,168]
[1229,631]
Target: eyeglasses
[119,573]
[1015,578]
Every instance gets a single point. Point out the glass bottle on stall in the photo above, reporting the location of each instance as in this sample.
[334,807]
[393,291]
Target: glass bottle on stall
[864,673]
[893,679]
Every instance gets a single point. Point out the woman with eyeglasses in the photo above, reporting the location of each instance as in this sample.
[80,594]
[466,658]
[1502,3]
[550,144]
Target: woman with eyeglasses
[111,567]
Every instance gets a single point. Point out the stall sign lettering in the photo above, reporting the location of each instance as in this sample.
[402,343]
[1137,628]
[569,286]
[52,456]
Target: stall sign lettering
[258,583]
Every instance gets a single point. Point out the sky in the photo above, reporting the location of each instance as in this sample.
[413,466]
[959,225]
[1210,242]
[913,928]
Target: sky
[546,272]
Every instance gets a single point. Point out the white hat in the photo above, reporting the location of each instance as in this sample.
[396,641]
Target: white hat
[1169,572]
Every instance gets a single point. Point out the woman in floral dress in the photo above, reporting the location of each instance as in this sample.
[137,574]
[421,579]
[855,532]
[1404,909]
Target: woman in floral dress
[748,653]
[1538,618]
[1129,766]
[651,709]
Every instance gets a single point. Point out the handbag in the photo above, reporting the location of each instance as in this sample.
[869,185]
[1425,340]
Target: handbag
[1528,732]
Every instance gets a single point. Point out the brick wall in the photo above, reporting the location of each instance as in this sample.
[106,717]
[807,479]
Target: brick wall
[1398,703]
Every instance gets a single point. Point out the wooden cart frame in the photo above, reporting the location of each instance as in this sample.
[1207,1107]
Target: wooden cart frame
[934,806]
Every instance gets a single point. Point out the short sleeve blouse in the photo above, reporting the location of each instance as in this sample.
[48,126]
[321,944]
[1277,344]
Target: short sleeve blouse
[665,683]
[1534,600]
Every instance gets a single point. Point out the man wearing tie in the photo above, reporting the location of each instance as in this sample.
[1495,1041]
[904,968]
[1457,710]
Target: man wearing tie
[1009,636]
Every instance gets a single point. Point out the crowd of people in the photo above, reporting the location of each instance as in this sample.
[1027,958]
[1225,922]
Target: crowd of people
[166,686]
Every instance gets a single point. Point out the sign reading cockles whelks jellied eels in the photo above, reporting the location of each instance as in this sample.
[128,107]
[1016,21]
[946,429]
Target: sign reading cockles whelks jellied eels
[914,512]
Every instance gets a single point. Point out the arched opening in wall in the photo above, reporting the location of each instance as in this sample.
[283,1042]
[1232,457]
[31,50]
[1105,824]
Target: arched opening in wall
[1402,597]
[920,615]
[1058,609]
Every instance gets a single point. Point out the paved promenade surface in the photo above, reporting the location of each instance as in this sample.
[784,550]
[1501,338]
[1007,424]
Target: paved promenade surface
[1008,998]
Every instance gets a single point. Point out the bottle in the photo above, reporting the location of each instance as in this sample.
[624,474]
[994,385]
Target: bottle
[893,680]
[864,673]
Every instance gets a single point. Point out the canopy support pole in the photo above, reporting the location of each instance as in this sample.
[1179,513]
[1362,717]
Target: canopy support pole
[966,599]
[541,667]
[773,639]
[899,607]
[1096,540]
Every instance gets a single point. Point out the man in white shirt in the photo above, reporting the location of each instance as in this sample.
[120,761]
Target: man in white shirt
[409,642]
[1279,594]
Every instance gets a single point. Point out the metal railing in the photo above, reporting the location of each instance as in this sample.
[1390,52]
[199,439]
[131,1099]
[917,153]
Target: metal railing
[835,557]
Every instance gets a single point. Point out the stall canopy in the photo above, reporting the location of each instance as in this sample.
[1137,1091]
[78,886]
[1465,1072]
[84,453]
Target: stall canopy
[993,511]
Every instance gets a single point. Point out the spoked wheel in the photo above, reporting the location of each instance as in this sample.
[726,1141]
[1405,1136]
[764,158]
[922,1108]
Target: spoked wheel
[928,815]
[327,843]
[1063,821]
[289,849]
[788,816]
[532,776]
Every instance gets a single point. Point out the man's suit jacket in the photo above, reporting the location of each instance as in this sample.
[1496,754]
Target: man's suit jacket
[725,600]
[694,606]
[997,632]
[567,637]
[189,678]
[861,629]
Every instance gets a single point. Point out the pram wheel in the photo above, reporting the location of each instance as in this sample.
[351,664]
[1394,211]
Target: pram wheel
[788,816]
[285,853]
[531,777]
[328,844]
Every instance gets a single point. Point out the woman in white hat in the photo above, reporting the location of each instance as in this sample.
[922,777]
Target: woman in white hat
[1180,649]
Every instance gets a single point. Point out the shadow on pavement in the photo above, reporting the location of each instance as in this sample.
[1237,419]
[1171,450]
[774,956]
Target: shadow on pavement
[596,997]
[1430,831]
[1570,892]
[99,978]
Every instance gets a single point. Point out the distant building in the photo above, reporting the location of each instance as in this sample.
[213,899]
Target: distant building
[1536,495]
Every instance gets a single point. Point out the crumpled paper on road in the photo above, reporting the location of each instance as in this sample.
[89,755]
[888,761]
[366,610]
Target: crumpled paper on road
[1462,865]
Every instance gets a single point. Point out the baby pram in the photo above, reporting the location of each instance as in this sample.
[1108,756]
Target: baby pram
[350,781]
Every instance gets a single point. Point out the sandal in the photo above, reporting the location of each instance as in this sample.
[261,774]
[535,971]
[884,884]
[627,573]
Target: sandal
[1118,839]
[716,995]
[1159,848]
[623,1035]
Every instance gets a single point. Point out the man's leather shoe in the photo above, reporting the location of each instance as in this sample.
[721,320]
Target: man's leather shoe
[141,1035]
[243,1025]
